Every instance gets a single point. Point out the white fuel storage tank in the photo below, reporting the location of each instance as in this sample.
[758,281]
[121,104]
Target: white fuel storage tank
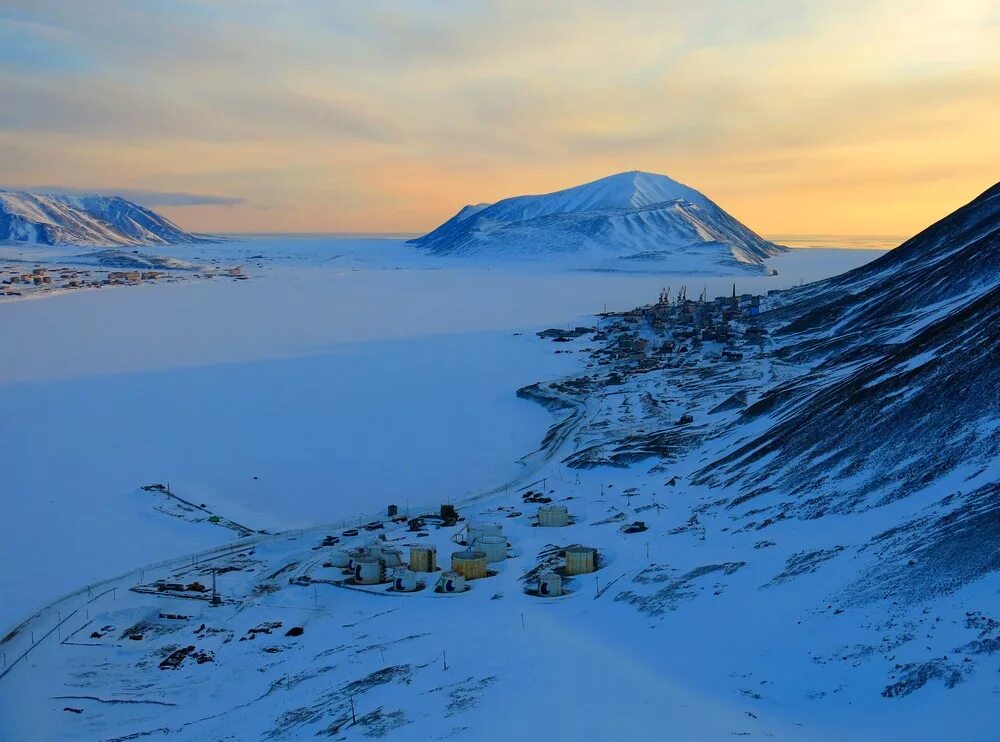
[404,581]
[550,585]
[494,547]
[368,571]
[451,582]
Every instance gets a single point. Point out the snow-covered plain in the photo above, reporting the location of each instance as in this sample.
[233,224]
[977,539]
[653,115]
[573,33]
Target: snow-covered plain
[346,375]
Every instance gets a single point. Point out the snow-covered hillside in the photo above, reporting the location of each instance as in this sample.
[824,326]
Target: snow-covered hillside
[898,401]
[634,215]
[53,219]
[719,607]
[901,356]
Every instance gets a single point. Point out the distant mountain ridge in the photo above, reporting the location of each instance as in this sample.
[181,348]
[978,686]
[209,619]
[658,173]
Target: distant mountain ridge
[633,214]
[55,219]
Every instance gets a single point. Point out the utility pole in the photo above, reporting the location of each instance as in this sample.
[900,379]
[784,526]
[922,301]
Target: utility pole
[444,658]
[354,719]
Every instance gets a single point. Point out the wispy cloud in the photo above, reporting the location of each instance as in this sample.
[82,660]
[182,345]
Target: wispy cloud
[150,199]
[796,116]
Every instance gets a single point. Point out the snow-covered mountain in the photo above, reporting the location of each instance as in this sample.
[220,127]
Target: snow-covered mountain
[901,353]
[54,219]
[898,402]
[633,214]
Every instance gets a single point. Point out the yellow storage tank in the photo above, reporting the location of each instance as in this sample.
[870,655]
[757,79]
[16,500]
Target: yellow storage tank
[580,560]
[553,516]
[423,559]
[471,564]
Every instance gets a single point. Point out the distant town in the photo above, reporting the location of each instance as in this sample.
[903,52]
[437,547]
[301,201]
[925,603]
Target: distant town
[16,281]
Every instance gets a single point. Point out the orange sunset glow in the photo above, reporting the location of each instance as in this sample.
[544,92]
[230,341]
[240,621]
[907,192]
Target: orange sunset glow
[846,117]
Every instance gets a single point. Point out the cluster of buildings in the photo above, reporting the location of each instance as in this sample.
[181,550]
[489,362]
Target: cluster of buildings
[485,544]
[14,282]
[14,279]
[120,278]
[664,333]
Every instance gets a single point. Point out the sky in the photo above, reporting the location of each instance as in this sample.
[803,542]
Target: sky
[846,117]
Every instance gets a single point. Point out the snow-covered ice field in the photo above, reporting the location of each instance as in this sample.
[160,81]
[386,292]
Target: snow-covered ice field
[347,374]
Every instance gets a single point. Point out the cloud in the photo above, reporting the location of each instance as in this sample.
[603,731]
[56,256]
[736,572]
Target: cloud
[149,199]
[391,116]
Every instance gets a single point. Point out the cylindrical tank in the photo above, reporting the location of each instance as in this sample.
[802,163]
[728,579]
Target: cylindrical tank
[392,557]
[471,564]
[451,582]
[368,570]
[476,530]
[355,554]
[423,559]
[404,581]
[550,585]
[339,558]
[580,560]
[553,516]
[494,547]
